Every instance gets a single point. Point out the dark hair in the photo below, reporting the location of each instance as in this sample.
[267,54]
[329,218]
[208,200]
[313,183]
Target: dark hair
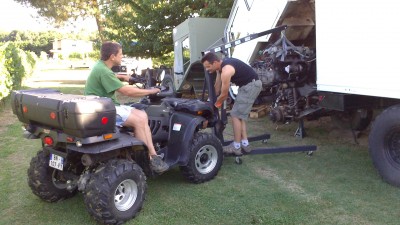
[210,57]
[108,48]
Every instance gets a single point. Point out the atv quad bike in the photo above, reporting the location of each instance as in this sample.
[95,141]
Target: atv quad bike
[82,149]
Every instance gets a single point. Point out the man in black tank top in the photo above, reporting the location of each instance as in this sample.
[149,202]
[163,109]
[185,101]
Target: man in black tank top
[231,70]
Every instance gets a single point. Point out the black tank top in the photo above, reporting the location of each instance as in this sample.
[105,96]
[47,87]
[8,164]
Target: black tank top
[244,74]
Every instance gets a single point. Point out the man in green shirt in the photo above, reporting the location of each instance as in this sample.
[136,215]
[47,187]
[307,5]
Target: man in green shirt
[103,82]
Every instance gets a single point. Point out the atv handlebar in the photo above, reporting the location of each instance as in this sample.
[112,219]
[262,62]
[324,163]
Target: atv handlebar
[165,91]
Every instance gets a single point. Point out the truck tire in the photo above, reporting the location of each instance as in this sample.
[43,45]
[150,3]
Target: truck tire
[384,144]
[205,158]
[115,192]
[42,179]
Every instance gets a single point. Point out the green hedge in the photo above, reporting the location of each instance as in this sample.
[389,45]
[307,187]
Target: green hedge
[75,55]
[15,65]
[5,79]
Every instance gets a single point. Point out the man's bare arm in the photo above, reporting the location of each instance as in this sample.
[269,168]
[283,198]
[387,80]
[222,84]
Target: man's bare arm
[227,72]
[218,83]
[131,91]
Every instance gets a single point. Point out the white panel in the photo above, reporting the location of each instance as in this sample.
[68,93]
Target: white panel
[357,47]
[262,16]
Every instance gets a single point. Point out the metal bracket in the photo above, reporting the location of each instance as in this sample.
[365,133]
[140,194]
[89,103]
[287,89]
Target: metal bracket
[300,132]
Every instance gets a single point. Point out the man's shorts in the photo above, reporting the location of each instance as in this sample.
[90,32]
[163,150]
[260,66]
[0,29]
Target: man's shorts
[123,112]
[245,98]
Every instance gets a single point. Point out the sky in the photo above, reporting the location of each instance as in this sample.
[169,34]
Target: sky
[14,16]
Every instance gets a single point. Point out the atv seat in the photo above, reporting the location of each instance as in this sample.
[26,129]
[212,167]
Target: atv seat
[189,105]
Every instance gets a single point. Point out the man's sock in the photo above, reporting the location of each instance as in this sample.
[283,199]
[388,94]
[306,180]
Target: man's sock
[236,145]
[245,142]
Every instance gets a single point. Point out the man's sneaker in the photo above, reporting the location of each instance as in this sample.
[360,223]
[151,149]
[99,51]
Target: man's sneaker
[157,164]
[247,149]
[230,149]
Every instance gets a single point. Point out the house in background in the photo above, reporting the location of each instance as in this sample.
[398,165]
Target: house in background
[65,47]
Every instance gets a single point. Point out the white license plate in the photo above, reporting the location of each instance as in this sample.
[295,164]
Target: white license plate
[56,162]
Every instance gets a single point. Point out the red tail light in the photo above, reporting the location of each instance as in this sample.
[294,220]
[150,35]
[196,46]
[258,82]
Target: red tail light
[48,141]
[53,115]
[24,109]
[104,120]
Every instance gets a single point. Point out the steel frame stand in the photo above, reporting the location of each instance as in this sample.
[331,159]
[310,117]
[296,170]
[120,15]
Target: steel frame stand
[300,132]
[272,150]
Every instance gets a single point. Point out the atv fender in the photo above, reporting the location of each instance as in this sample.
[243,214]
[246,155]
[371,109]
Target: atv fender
[125,140]
[182,129]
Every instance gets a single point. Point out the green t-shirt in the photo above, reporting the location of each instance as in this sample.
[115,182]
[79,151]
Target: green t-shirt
[102,82]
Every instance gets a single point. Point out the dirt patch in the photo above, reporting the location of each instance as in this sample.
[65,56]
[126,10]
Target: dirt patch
[291,187]
[6,118]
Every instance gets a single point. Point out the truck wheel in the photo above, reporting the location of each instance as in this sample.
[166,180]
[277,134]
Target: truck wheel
[115,192]
[205,158]
[46,182]
[384,144]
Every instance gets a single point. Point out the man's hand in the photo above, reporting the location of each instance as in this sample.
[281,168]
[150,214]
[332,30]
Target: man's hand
[218,104]
[155,90]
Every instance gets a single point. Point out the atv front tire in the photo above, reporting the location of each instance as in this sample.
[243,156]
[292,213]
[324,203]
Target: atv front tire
[43,179]
[116,192]
[205,158]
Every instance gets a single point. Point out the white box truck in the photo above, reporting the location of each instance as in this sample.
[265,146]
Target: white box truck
[335,58]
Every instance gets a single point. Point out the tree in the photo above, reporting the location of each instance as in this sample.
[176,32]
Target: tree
[144,27]
[217,9]
[61,11]
[38,42]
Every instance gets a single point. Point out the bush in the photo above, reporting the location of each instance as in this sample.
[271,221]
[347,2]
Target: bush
[75,55]
[95,55]
[165,60]
[15,65]
[28,60]
[5,79]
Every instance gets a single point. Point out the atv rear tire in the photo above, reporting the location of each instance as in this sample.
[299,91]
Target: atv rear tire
[42,178]
[205,158]
[384,144]
[116,192]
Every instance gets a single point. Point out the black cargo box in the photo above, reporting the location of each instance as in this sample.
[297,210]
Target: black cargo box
[76,115]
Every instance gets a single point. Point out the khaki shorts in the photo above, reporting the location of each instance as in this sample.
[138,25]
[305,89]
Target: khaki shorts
[123,112]
[245,98]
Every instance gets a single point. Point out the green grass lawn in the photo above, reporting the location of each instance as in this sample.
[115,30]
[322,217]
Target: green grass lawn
[337,185]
